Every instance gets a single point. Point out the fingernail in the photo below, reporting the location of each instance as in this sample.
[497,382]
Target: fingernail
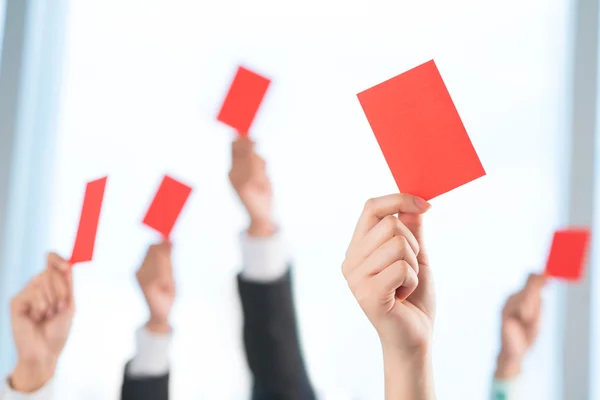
[422,204]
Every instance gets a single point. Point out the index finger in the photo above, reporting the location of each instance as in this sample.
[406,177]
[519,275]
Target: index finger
[57,262]
[535,282]
[380,207]
[242,146]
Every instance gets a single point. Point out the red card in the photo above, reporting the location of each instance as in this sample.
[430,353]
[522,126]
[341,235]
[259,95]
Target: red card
[83,249]
[420,133]
[167,205]
[243,100]
[568,254]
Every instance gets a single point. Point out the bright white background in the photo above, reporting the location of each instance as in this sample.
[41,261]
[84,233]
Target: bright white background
[142,83]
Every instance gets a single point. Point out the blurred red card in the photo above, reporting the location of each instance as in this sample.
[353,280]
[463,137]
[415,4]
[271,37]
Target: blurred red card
[243,100]
[420,133]
[167,205]
[568,254]
[83,249]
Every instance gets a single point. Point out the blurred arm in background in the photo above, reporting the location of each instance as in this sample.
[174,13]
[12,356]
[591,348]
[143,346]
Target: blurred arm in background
[147,375]
[520,326]
[41,316]
[388,271]
[271,339]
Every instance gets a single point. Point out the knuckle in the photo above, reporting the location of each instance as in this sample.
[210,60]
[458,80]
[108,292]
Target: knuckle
[390,224]
[399,246]
[369,206]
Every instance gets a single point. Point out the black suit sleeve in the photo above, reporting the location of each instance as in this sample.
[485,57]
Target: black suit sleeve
[152,388]
[271,341]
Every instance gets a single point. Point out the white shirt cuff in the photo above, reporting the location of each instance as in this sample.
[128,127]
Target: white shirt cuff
[152,355]
[265,259]
[504,389]
[45,393]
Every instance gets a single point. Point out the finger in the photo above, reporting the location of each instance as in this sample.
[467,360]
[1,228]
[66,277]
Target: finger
[511,306]
[380,207]
[385,229]
[164,248]
[398,279]
[51,300]
[60,288]
[241,147]
[530,305]
[57,262]
[535,283]
[395,249]
[20,305]
[38,304]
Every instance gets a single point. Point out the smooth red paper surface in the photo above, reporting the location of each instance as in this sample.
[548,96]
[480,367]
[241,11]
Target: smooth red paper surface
[568,254]
[420,133]
[243,100]
[83,249]
[168,202]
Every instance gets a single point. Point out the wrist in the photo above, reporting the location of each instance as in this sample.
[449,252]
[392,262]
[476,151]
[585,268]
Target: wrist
[261,228]
[507,367]
[158,325]
[408,375]
[30,376]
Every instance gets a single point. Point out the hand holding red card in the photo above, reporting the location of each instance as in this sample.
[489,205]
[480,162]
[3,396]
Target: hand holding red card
[83,249]
[167,205]
[568,254]
[243,100]
[420,133]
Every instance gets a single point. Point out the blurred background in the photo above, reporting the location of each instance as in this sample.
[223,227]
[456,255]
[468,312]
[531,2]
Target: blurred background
[131,88]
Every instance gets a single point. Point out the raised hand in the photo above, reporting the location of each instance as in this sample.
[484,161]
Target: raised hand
[388,271]
[155,278]
[520,326]
[41,317]
[250,181]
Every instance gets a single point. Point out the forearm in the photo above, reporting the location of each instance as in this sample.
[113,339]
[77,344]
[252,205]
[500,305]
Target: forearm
[507,367]
[408,377]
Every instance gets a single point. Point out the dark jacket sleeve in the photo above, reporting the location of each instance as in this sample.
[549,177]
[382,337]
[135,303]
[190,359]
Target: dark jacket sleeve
[271,341]
[154,388]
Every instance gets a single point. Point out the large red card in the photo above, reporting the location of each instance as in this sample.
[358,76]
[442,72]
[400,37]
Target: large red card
[168,202]
[83,249]
[243,100]
[568,253]
[420,133]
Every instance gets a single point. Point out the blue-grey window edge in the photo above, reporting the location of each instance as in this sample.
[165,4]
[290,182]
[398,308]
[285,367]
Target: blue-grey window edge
[577,315]
[30,79]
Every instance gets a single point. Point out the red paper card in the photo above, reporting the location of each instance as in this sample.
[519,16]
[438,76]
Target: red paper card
[167,205]
[568,254]
[420,133]
[83,249]
[243,100]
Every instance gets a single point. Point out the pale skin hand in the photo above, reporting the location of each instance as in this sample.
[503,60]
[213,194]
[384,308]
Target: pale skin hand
[155,278]
[41,317]
[520,326]
[250,181]
[388,271]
